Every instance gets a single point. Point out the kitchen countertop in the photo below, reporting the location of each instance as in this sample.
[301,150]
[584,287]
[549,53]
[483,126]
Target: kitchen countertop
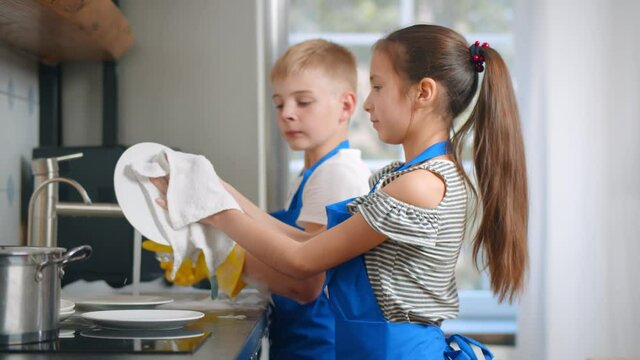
[235,329]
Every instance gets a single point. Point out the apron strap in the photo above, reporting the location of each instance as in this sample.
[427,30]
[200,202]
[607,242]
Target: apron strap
[465,352]
[296,201]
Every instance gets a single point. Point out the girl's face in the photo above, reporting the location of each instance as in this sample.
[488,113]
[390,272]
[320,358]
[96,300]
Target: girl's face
[309,109]
[388,104]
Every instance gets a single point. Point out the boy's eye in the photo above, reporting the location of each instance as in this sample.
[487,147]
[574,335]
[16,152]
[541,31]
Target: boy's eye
[279,106]
[304,102]
[376,87]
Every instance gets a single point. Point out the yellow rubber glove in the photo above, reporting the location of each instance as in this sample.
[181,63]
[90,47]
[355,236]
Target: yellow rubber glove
[228,274]
[187,274]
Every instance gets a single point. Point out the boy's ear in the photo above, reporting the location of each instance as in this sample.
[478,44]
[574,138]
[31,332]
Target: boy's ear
[427,91]
[348,100]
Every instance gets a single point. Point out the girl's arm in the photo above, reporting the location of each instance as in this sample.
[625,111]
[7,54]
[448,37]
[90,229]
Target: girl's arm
[298,260]
[258,273]
[302,260]
[255,212]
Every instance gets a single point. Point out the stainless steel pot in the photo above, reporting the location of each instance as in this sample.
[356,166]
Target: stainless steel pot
[30,291]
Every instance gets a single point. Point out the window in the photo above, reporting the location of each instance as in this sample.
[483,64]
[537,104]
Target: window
[357,24]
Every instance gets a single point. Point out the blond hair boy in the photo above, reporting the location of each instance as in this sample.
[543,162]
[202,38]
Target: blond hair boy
[314,92]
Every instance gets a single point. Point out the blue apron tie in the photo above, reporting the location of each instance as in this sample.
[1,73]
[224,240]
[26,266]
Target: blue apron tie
[437,149]
[362,332]
[465,352]
[302,331]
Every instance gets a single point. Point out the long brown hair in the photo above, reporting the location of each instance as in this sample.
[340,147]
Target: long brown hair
[430,51]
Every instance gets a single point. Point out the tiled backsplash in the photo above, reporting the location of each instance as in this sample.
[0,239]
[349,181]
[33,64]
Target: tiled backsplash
[19,109]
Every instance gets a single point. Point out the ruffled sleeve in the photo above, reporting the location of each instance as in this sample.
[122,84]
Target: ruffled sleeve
[373,179]
[398,220]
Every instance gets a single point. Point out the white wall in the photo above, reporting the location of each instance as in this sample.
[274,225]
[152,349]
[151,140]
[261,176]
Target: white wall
[191,80]
[581,111]
[19,110]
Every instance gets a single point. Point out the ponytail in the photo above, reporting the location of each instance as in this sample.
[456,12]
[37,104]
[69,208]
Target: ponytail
[499,161]
[436,52]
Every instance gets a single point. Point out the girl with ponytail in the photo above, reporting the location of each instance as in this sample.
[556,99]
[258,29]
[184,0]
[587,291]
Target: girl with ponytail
[387,259]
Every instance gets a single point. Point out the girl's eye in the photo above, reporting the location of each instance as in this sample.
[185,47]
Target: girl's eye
[279,106]
[376,87]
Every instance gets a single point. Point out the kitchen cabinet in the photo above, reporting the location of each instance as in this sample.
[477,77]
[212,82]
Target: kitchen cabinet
[62,30]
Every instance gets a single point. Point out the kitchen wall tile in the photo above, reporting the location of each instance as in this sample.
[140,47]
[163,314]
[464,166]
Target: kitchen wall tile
[19,110]
[18,74]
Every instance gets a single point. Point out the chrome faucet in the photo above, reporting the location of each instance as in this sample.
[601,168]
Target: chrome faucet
[50,239]
[44,210]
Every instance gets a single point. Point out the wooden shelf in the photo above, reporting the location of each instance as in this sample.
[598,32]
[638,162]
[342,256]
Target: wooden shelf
[61,30]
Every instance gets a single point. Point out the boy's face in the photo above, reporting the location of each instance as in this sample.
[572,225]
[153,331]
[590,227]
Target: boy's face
[387,103]
[310,109]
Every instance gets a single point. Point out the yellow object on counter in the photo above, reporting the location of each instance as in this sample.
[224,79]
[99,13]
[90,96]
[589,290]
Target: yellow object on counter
[229,273]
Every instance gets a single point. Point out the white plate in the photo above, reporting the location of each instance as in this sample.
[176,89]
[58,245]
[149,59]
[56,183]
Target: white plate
[100,333]
[143,319]
[122,301]
[67,334]
[65,315]
[66,305]
[130,195]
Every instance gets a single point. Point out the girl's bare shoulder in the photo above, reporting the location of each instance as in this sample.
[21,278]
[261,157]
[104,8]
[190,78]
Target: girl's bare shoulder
[420,187]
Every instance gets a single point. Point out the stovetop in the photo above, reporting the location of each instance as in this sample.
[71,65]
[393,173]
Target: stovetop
[79,337]
[229,329]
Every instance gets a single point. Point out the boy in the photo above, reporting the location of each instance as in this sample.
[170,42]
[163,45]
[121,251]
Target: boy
[314,91]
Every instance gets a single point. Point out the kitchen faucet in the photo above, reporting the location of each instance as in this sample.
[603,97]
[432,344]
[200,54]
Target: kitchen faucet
[43,224]
[44,210]
[34,197]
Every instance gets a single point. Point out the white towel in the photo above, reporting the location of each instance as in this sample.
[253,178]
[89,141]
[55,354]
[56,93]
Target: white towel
[194,192]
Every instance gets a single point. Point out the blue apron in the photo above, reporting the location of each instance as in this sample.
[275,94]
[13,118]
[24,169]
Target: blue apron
[302,331]
[361,330]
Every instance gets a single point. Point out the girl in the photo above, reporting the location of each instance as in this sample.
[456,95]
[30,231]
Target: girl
[389,256]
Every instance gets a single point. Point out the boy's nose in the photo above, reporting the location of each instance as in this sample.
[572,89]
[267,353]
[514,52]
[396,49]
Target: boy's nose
[287,112]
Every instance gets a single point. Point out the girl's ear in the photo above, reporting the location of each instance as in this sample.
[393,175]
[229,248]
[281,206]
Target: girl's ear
[427,92]
[348,100]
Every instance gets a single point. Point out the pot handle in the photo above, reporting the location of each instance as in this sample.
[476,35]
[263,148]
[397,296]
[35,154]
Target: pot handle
[75,254]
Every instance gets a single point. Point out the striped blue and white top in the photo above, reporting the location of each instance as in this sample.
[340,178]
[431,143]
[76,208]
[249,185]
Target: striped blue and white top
[412,273]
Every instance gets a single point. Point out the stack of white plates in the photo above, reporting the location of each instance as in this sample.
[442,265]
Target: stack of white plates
[66,309]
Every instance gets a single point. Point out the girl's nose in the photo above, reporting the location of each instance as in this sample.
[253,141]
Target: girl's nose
[368,107]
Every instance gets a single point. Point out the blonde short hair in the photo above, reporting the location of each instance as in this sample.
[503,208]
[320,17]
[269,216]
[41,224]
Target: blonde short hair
[335,60]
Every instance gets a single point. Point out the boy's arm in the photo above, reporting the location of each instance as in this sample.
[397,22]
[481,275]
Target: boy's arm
[312,228]
[261,275]
[255,212]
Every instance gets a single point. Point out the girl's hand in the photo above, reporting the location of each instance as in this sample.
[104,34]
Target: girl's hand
[162,183]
